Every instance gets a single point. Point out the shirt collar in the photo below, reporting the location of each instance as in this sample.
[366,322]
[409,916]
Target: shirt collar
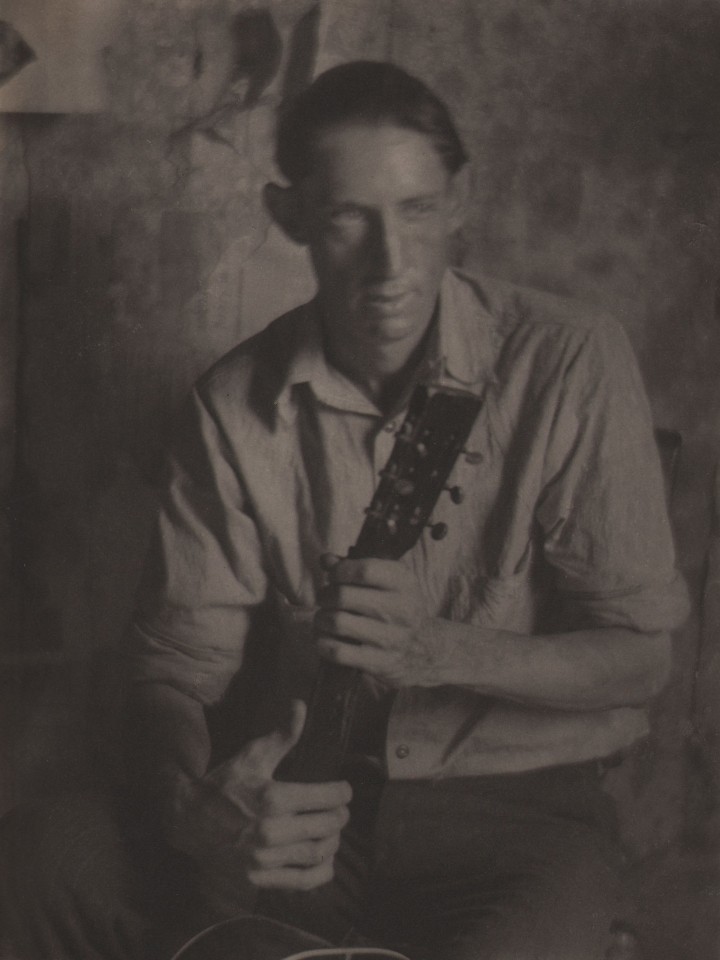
[466,345]
[462,351]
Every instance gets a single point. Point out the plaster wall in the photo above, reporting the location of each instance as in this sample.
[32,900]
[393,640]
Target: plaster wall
[136,251]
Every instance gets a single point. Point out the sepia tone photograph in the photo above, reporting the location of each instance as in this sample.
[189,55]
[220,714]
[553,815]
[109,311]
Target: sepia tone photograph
[359,479]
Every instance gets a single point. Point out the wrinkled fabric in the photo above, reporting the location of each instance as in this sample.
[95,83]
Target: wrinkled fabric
[563,526]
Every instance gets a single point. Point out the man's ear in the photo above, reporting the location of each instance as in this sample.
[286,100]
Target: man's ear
[460,193]
[284,206]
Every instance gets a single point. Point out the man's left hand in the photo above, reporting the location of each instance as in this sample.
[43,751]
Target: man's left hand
[372,616]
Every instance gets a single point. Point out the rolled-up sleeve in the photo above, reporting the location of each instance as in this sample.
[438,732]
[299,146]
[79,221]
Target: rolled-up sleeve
[603,511]
[204,573]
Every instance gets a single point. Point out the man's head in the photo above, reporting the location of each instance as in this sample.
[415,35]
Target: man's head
[376,191]
[366,93]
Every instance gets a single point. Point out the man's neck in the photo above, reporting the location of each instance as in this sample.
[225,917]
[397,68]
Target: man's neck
[387,378]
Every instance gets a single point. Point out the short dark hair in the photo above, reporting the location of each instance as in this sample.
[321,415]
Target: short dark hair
[365,91]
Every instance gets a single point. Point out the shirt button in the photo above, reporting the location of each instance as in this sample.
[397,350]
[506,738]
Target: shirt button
[390,427]
[402,751]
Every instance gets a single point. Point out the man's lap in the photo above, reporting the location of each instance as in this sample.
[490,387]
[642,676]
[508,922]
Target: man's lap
[491,868]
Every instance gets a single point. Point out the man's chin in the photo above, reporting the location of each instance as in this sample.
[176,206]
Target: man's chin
[391,327]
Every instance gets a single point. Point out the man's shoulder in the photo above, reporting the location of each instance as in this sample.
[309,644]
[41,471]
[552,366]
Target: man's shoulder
[258,364]
[516,307]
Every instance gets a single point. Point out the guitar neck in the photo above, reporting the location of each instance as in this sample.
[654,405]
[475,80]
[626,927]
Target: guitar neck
[320,753]
[431,438]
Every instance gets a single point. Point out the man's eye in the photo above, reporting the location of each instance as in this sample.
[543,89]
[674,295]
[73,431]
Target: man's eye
[419,208]
[345,217]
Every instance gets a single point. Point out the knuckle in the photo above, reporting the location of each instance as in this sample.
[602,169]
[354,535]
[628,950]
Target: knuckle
[342,597]
[256,877]
[324,873]
[271,797]
[331,650]
[309,879]
[330,621]
[346,621]
[265,832]
[330,595]
[312,853]
[259,857]
[330,846]
[264,798]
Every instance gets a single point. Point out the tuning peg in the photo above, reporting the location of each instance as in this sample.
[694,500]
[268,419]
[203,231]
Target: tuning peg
[438,531]
[457,494]
[472,457]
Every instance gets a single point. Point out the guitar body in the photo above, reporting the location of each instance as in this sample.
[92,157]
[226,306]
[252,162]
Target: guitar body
[259,938]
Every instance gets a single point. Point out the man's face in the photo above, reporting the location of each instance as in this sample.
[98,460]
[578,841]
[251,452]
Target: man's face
[378,213]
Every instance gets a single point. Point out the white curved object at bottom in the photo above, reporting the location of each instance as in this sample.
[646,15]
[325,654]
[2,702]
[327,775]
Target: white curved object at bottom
[259,938]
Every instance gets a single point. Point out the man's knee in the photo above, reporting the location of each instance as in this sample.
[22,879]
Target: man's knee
[55,832]
[63,867]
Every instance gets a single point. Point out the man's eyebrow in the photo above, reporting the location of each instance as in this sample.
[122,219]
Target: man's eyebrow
[337,204]
[359,205]
[429,195]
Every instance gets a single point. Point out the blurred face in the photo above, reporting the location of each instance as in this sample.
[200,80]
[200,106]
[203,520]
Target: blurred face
[378,213]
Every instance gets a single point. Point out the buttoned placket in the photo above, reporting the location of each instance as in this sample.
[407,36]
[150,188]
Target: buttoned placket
[384,442]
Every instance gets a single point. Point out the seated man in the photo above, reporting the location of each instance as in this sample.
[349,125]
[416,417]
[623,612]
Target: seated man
[500,666]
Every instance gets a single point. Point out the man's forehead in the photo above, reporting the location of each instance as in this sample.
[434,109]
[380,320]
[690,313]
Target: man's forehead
[363,155]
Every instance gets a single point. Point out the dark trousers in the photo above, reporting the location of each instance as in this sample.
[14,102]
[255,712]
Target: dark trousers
[517,867]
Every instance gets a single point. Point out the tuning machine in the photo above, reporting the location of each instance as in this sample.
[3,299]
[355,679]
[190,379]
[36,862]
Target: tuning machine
[438,531]
[457,494]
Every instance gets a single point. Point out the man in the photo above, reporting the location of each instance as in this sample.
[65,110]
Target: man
[500,666]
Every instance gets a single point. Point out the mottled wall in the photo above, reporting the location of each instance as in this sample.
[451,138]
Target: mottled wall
[143,253]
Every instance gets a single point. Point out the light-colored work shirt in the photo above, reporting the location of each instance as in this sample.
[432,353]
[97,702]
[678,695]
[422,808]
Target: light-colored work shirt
[563,525]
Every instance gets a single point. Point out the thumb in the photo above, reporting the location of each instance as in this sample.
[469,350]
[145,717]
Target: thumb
[265,754]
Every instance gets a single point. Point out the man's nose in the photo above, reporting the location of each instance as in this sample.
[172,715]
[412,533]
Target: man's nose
[387,248]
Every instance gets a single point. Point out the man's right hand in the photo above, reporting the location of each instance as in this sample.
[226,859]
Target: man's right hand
[240,821]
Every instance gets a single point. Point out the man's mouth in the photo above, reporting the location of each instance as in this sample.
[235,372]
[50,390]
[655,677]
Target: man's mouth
[388,301]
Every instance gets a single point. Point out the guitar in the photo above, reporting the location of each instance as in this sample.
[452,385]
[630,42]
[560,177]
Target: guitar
[431,438]
[259,938]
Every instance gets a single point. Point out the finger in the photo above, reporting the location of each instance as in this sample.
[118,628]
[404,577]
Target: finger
[381,574]
[354,629]
[385,605]
[281,798]
[292,878]
[366,657]
[310,853]
[282,831]
[262,756]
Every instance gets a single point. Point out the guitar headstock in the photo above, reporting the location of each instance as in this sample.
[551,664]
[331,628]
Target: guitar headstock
[431,438]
